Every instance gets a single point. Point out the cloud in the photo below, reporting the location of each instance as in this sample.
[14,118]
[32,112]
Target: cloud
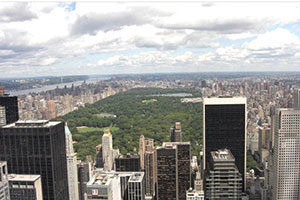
[169,35]
[92,22]
[11,12]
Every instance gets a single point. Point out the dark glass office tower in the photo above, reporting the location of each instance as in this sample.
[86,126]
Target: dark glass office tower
[11,108]
[173,170]
[99,157]
[37,147]
[128,163]
[224,126]
[84,173]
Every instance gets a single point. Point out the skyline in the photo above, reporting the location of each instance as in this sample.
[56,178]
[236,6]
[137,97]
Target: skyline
[58,39]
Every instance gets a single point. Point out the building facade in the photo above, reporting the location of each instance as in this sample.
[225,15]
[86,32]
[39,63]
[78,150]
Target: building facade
[175,133]
[136,187]
[131,185]
[4,188]
[128,163]
[224,126]
[84,175]
[2,116]
[107,150]
[286,158]
[10,103]
[99,157]
[104,186]
[37,147]
[296,103]
[223,180]
[25,187]
[173,171]
[72,166]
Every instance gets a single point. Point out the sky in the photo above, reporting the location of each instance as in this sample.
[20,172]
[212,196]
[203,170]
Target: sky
[42,38]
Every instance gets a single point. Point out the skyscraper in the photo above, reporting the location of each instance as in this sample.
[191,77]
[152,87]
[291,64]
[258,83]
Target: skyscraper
[72,166]
[37,147]
[2,116]
[224,126]
[104,186]
[128,163]
[296,103]
[286,176]
[25,187]
[173,170]
[11,108]
[136,187]
[145,144]
[223,180]
[99,157]
[146,152]
[107,150]
[176,133]
[264,142]
[4,188]
[84,175]
[150,172]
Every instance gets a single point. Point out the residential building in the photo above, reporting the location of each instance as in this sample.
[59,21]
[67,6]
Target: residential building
[224,126]
[173,172]
[25,187]
[107,150]
[145,144]
[286,158]
[37,147]
[175,133]
[264,142]
[223,179]
[4,188]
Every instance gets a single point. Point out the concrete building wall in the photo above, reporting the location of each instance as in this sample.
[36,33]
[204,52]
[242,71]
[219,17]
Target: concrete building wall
[286,182]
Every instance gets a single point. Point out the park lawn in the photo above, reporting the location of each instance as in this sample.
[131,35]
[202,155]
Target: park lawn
[94,129]
[147,101]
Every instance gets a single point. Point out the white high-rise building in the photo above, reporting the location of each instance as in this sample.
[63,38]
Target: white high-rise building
[286,179]
[104,186]
[107,150]
[72,166]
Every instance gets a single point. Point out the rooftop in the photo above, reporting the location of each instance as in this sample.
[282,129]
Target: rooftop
[2,163]
[23,177]
[172,145]
[129,156]
[223,100]
[221,155]
[32,123]
[101,179]
[136,177]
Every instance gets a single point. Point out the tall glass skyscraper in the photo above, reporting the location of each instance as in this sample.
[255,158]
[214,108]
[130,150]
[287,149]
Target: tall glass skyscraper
[37,147]
[224,126]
